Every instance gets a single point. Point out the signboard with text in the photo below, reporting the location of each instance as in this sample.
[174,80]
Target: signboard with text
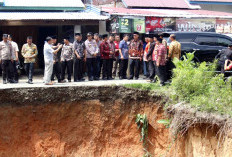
[159,24]
[196,25]
[223,26]
[125,25]
[139,25]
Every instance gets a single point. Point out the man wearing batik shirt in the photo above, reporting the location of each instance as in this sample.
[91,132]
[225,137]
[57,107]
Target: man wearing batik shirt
[112,56]
[136,54]
[92,51]
[6,58]
[67,59]
[160,58]
[14,71]
[116,54]
[29,52]
[105,51]
[79,58]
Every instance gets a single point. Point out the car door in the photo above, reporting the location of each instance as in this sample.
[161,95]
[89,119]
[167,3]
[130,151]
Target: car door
[206,47]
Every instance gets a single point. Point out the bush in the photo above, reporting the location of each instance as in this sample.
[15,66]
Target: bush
[200,86]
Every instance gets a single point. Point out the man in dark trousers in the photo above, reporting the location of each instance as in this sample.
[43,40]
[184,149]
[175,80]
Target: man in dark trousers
[112,56]
[91,54]
[123,57]
[222,57]
[79,58]
[67,59]
[56,61]
[105,56]
[6,58]
[135,54]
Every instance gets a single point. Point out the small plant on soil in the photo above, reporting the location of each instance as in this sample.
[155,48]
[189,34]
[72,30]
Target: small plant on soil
[165,122]
[142,123]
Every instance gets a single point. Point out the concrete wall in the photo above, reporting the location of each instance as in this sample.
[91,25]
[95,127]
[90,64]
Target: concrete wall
[213,7]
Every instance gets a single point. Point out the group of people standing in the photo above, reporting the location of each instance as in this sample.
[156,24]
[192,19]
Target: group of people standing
[100,54]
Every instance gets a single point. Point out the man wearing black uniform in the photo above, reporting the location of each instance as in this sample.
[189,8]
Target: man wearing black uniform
[79,58]
[223,56]
[56,61]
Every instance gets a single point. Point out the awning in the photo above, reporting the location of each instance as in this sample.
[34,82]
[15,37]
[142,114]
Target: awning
[179,13]
[51,16]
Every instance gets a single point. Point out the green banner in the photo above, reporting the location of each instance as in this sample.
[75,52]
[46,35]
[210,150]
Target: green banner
[139,25]
[125,25]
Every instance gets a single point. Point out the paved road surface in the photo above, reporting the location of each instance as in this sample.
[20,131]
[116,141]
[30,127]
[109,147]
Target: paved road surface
[38,82]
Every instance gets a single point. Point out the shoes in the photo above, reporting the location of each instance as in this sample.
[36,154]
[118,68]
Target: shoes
[4,82]
[50,83]
[130,78]
[125,78]
[61,81]
[30,82]
[110,78]
[104,78]
[120,78]
[96,79]
[136,78]
[12,81]
[69,81]
[83,79]
[90,79]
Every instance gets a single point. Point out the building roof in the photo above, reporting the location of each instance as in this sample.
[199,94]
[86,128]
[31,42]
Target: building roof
[167,13]
[11,16]
[157,4]
[225,2]
[42,4]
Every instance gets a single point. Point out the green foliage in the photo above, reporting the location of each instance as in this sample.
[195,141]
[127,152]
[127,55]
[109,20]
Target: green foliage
[165,122]
[200,86]
[142,123]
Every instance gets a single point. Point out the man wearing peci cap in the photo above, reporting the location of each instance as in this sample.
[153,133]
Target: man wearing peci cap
[29,53]
[48,60]
[106,51]
[6,58]
[56,61]
[225,54]
[67,59]
[135,54]
[92,50]
[79,57]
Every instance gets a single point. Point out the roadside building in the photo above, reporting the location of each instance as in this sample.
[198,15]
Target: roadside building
[41,18]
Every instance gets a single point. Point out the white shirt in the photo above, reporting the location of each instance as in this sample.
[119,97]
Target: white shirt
[48,52]
[15,49]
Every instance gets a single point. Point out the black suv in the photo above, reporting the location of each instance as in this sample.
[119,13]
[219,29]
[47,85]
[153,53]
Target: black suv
[205,44]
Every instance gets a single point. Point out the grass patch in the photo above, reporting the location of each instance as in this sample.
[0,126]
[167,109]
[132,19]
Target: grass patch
[198,85]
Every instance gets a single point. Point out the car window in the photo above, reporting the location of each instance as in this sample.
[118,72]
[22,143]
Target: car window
[224,42]
[184,38]
[206,40]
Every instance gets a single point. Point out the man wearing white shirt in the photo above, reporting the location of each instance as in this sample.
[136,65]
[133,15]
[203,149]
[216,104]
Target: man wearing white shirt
[48,60]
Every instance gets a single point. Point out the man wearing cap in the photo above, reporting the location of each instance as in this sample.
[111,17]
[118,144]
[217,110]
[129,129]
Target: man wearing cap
[225,54]
[116,54]
[160,57]
[14,71]
[105,56]
[136,54]
[29,52]
[123,57]
[98,58]
[92,51]
[173,52]
[56,62]
[67,59]
[6,58]
[79,58]
[111,56]
[49,60]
